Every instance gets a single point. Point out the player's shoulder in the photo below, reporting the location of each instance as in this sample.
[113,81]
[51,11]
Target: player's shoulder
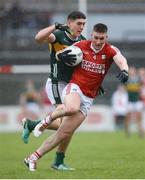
[59,34]
[83,44]
[111,47]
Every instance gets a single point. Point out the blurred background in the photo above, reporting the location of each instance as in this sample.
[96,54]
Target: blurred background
[23,61]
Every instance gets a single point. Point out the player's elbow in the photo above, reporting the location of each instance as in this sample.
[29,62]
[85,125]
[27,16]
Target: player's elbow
[38,39]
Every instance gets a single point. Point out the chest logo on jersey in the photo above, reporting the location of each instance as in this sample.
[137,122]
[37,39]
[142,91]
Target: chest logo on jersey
[93,67]
[103,56]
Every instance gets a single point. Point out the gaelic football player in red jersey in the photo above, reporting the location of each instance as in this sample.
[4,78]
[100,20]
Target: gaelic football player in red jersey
[57,37]
[78,95]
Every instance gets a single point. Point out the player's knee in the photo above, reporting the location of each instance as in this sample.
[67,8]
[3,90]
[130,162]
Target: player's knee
[64,135]
[72,109]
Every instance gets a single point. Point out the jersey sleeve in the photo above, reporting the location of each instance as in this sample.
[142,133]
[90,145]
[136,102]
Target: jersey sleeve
[114,51]
[83,38]
[57,35]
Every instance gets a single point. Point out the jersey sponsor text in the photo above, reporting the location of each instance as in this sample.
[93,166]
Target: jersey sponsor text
[93,67]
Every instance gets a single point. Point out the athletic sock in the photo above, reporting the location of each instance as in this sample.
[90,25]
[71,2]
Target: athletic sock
[59,158]
[35,156]
[47,119]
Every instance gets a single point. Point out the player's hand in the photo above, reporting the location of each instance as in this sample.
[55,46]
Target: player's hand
[101,91]
[63,27]
[66,57]
[123,76]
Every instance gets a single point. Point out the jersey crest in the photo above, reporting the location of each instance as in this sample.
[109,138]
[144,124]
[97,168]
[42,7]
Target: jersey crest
[103,56]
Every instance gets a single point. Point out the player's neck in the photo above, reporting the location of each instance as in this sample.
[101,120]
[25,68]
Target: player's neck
[94,48]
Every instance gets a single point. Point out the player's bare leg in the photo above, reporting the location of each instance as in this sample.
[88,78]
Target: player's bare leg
[126,124]
[65,131]
[58,164]
[67,109]
[66,128]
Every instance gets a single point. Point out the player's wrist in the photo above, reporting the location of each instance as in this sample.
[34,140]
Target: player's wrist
[124,70]
[53,26]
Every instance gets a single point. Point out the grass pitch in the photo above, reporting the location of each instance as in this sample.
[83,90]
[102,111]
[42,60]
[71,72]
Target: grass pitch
[94,155]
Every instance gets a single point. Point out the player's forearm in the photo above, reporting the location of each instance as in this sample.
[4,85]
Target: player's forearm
[123,65]
[45,34]
[121,62]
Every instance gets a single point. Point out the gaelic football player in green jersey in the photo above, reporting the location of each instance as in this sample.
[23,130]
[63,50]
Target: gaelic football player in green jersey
[135,105]
[58,37]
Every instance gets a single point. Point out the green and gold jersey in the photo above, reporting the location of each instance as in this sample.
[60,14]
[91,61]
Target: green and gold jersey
[59,70]
[133,88]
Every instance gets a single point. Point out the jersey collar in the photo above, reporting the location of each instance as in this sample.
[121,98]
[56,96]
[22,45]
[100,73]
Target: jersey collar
[72,39]
[95,50]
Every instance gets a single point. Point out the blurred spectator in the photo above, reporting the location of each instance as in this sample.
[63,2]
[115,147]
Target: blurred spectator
[135,107]
[119,102]
[30,101]
[15,16]
[3,20]
[141,72]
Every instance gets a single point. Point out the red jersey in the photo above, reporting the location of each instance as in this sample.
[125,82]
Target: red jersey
[91,72]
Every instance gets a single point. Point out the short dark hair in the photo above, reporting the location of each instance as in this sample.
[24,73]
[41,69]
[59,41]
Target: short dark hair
[102,28]
[76,15]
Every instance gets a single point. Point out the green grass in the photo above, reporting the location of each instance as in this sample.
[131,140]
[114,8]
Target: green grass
[94,155]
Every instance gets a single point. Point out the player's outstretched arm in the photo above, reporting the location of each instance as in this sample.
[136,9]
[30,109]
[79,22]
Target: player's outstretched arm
[45,35]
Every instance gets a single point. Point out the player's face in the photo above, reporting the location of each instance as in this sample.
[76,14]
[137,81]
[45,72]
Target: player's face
[98,39]
[77,26]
